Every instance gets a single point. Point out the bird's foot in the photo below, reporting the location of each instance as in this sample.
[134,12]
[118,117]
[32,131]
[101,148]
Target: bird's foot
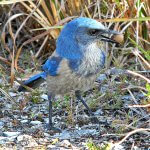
[94,119]
[52,128]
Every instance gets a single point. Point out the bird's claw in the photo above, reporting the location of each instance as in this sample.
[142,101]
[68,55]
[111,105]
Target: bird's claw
[52,128]
[94,120]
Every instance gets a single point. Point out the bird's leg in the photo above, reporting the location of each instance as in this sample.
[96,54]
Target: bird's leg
[79,97]
[50,111]
[50,125]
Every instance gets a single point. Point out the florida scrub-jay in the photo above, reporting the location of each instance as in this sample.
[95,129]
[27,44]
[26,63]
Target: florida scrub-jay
[76,62]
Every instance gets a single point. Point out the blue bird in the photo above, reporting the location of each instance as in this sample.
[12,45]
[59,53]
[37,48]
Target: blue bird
[76,62]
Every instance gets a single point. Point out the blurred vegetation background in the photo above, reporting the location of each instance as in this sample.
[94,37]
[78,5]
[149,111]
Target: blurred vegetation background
[29,29]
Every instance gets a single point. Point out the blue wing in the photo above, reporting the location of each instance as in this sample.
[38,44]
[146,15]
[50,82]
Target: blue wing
[51,66]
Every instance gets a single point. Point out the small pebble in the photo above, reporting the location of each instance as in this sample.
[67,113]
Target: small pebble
[1,124]
[64,135]
[26,140]
[66,144]
[12,94]
[46,135]
[126,97]
[3,140]
[99,112]
[52,147]
[44,96]
[46,120]
[35,122]
[9,134]
[24,121]
[24,117]
[101,78]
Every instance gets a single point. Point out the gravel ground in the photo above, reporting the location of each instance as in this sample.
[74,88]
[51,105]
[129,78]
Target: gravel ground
[24,116]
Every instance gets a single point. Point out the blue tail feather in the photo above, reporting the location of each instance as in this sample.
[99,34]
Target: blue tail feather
[34,81]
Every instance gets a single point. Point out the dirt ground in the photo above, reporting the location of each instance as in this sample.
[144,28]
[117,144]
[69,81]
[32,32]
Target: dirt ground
[24,118]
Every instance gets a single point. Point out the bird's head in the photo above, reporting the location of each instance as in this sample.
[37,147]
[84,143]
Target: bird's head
[81,32]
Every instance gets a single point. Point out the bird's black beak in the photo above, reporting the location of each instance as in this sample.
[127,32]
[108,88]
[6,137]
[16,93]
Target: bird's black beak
[109,32]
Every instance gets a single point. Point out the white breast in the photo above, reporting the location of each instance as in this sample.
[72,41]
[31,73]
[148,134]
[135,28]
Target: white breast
[92,62]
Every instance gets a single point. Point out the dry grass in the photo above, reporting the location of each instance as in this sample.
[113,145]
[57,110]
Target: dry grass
[50,15]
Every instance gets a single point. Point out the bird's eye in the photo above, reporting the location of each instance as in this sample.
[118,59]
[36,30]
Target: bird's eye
[93,32]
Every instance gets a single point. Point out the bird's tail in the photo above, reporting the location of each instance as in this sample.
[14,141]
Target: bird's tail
[33,82]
